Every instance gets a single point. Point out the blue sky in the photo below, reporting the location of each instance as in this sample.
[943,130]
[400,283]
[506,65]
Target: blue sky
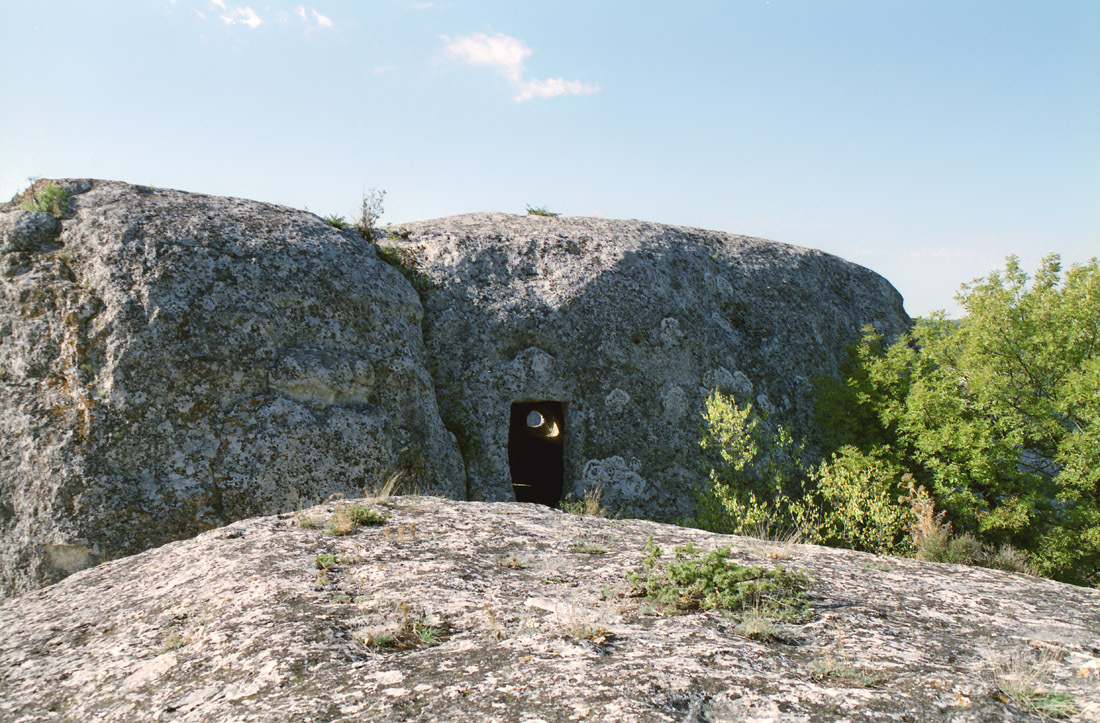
[924,139]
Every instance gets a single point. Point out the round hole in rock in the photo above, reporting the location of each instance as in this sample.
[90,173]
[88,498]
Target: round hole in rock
[535,434]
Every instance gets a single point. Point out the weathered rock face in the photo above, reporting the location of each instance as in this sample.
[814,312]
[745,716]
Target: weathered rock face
[522,613]
[170,362]
[627,325]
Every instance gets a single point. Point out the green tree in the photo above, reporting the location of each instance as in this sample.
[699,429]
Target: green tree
[998,413]
[757,475]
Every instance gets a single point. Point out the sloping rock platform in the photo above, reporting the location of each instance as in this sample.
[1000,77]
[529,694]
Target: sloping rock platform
[526,615]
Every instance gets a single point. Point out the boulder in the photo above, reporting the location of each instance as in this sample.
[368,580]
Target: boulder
[171,362]
[621,328]
[467,611]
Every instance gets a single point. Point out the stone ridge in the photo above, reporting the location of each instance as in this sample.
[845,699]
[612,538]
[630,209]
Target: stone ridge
[531,618]
[629,325]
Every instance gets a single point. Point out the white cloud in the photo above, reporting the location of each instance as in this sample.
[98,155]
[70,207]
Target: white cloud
[321,21]
[238,15]
[508,54]
[503,51]
[551,87]
[218,3]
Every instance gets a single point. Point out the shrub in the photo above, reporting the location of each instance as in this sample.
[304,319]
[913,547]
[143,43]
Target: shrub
[539,211]
[693,580]
[863,500]
[994,414]
[52,199]
[757,476]
[336,221]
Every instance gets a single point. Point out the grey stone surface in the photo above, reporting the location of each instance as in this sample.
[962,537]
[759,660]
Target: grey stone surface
[629,324]
[535,621]
[171,362]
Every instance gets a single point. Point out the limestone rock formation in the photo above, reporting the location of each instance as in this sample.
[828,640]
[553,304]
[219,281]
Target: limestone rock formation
[622,328]
[514,612]
[170,362]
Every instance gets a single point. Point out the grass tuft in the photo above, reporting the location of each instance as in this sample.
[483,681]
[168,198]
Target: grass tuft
[347,520]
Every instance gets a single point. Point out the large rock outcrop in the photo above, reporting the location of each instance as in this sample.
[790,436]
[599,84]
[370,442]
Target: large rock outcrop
[622,328]
[513,612]
[170,362]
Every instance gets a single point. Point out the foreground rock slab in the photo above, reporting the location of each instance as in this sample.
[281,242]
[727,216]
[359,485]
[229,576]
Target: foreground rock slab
[514,612]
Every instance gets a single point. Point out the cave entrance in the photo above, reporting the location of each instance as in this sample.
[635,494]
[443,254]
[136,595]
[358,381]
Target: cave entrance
[535,434]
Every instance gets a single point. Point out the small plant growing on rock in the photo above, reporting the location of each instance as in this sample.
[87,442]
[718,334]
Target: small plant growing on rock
[336,221]
[754,625]
[307,521]
[52,199]
[408,631]
[1023,680]
[347,520]
[540,211]
[832,669]
[407,262]
[173,641]
[591,503]
[584,547]
[324,561]
[692,580]
[370,212]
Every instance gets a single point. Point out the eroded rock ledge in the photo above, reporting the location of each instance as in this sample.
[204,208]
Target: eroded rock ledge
[532,620]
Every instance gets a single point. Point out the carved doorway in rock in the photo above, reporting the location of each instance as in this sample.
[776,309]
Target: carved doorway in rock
[535,434]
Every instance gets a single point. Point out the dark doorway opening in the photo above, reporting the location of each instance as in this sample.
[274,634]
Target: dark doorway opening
[535,434]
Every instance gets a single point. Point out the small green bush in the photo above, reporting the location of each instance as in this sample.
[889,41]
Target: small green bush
[52,199]
[324,561]
[693,580]
[336,221]
[540,211]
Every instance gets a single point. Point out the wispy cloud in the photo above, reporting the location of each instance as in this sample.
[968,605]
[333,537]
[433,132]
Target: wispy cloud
[507,54]
[314,18]
[551,87]
[237,15]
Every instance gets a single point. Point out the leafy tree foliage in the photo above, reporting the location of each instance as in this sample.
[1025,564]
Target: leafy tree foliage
[998,414]
[992,420]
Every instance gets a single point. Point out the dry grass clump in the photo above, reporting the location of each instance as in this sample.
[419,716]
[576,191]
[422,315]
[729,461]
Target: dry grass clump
[1023,679]
[934,540]
[591,503]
